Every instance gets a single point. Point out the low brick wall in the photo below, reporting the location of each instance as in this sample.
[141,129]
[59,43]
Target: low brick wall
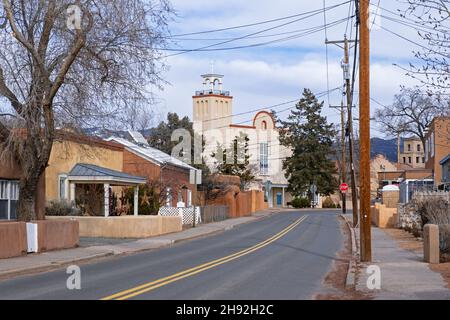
[126,226]
[13,239]
[57,234]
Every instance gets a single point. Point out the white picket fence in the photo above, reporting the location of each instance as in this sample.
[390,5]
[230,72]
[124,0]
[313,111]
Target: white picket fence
[186,214]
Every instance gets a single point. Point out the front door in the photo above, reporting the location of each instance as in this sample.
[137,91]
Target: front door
[279,199]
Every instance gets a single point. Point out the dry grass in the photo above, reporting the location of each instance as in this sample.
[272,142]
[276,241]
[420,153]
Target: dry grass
[406,240]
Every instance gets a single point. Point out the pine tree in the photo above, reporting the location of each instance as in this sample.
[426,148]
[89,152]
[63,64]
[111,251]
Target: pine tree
[235,160]
[310,138]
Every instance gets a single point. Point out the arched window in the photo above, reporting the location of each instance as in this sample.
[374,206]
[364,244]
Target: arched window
[264,125]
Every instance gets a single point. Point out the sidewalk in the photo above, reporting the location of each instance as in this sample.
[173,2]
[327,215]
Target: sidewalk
[404,275]
[56,259]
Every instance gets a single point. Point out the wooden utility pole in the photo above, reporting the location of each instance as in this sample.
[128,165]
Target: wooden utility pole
[345,66]
[351,139]
[344,160]
[364,129]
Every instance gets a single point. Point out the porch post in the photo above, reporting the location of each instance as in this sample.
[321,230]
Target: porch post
[282,199]
[72,192]
[106,188]
[136,200]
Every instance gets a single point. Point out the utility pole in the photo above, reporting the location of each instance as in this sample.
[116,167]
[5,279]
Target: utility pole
[364,129]
[343,156]
[344,160]
[351,138]
[345,66]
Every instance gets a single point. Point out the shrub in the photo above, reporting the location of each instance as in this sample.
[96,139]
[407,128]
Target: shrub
[434,210]
[148,200]
[301,203]
[61,208]
[328,203]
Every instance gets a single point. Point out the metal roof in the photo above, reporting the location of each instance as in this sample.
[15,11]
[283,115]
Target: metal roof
[152,154]
[447,158]
[84,171]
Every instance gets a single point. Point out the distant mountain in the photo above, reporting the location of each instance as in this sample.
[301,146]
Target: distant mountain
[387,148]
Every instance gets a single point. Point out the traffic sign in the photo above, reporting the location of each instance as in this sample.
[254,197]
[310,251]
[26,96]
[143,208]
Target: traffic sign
[343,187]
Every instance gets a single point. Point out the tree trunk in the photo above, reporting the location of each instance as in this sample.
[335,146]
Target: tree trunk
[26,206]
[32,170]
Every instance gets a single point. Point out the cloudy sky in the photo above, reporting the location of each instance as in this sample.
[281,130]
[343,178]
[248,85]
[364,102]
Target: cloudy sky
[263,76]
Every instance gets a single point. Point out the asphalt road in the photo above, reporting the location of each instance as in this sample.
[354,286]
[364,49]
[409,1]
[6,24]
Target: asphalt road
[285,256]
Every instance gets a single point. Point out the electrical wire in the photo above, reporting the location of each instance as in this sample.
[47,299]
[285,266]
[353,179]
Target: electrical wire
[257,23]
[326,49]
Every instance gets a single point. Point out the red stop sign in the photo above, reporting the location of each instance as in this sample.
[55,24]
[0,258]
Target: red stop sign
[343,187]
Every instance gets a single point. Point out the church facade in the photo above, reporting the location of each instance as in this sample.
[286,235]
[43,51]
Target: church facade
[213,118]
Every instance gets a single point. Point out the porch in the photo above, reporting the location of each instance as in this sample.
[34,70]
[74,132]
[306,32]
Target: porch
[92,186]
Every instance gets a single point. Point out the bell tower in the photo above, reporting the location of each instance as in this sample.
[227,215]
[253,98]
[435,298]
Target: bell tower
[212,107]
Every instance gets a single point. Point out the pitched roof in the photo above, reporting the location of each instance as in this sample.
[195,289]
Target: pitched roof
[447,158]
[90,170]
[152,154]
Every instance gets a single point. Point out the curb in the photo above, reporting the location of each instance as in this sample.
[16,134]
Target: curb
[53,265]
[350,282]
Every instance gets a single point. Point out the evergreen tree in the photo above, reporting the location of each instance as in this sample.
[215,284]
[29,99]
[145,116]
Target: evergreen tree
[235,160]
[310,138]
[160,136]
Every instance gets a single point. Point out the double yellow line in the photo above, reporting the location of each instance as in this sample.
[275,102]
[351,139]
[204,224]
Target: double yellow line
[130,293]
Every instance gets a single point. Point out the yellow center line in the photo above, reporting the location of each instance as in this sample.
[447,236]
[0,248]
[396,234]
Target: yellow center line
[126,294]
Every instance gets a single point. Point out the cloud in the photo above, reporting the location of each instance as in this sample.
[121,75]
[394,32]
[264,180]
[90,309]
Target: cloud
[263,76]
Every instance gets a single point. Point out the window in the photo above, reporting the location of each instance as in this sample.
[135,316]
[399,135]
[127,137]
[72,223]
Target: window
[404,159]
[9,195]
[417,160]
[409,160]
[423,159]
[432,144]
[264,125]
[62,186]
[409,147]
[418,147]
[263,158]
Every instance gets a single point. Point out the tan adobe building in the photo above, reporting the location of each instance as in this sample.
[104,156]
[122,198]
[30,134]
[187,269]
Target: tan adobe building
[413,155]
[437,146]
[213,118]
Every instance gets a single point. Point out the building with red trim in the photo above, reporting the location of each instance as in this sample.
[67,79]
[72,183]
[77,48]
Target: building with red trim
[213,118]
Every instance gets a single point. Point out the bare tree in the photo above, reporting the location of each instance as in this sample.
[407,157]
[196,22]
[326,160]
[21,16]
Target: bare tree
[433,24]
[72,62]
[411,113]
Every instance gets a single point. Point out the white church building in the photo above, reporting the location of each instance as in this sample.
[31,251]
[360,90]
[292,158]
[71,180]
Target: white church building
[213,118]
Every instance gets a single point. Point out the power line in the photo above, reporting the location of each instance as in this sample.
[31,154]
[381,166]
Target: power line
[208,48]
[318,95]
[256,23]
[326,50]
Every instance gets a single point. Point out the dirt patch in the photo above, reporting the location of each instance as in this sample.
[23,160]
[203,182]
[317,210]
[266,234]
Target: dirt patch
[406,240]
[444,270]
[335,280]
